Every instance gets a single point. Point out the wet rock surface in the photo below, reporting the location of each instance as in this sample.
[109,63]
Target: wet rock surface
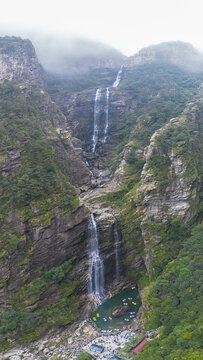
[120,310]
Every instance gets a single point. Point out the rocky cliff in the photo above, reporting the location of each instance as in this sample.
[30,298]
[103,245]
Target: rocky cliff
[145,177]
[43,227]
[169,186]
[44,257]
[18,62]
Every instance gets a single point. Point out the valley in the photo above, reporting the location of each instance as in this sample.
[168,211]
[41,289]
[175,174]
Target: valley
[101,191]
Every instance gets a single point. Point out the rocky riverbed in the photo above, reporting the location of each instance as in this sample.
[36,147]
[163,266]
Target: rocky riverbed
[66,345]
[70,343]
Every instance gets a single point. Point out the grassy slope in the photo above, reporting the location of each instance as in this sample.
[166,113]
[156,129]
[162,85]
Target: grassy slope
[176,300]
[161,93]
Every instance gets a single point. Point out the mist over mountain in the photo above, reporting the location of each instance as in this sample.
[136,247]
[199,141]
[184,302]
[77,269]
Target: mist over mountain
[72,56]
[179,53]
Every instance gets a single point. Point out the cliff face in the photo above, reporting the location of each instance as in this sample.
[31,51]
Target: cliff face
[43,227]
[44,241]
[169,186]
[150,94]
[38,248]
[142,177]
[18,62]
[78,108]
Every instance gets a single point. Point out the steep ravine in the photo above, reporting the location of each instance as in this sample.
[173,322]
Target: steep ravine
[140,175]
[105,215]
[44,258]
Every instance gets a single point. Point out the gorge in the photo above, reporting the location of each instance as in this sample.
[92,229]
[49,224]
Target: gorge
[101,190]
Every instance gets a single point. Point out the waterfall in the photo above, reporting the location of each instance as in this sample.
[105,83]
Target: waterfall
[118,77]
[96,266]
[96,119]
[117,248]
[107,115]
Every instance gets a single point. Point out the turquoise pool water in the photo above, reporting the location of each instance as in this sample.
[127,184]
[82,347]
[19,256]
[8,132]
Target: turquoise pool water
[105,320]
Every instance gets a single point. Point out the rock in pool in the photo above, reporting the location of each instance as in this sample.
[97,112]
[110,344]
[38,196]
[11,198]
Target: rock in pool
[120,310]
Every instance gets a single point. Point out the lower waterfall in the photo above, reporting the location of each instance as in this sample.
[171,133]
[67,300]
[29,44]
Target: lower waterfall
[96,266]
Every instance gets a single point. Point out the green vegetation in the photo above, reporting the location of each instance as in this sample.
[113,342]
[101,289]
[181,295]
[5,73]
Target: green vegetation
[39,174]
[58,357]
[170,237]
[175,294]
[23,326]
[161,92]
[34,178]
[176,302]
[33,182]
[65,85]
[85,356]
[160,163]
[184,138]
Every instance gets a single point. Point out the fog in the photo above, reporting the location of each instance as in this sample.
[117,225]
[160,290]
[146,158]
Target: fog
[80,28]
[62,54]
[127,25]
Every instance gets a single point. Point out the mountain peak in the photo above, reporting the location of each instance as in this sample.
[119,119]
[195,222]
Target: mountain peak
[18,61]
[178,53]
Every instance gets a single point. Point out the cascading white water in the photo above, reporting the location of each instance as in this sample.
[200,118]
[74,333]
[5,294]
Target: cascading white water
[107,115]
[96,266]
[117,251]
[96,119]
[118,78]
[97,109]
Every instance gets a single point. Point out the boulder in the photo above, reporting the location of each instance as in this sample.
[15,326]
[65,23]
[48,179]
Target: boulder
[120,310]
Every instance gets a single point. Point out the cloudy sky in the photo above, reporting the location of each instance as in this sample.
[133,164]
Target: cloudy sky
[127,25]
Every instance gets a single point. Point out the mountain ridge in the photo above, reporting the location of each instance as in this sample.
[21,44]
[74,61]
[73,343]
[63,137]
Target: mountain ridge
[179,53]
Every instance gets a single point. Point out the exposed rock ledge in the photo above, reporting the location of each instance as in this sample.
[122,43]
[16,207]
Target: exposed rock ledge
[158,206]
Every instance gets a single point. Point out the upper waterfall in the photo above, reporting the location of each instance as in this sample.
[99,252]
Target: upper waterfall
[118,77]
[96,119]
